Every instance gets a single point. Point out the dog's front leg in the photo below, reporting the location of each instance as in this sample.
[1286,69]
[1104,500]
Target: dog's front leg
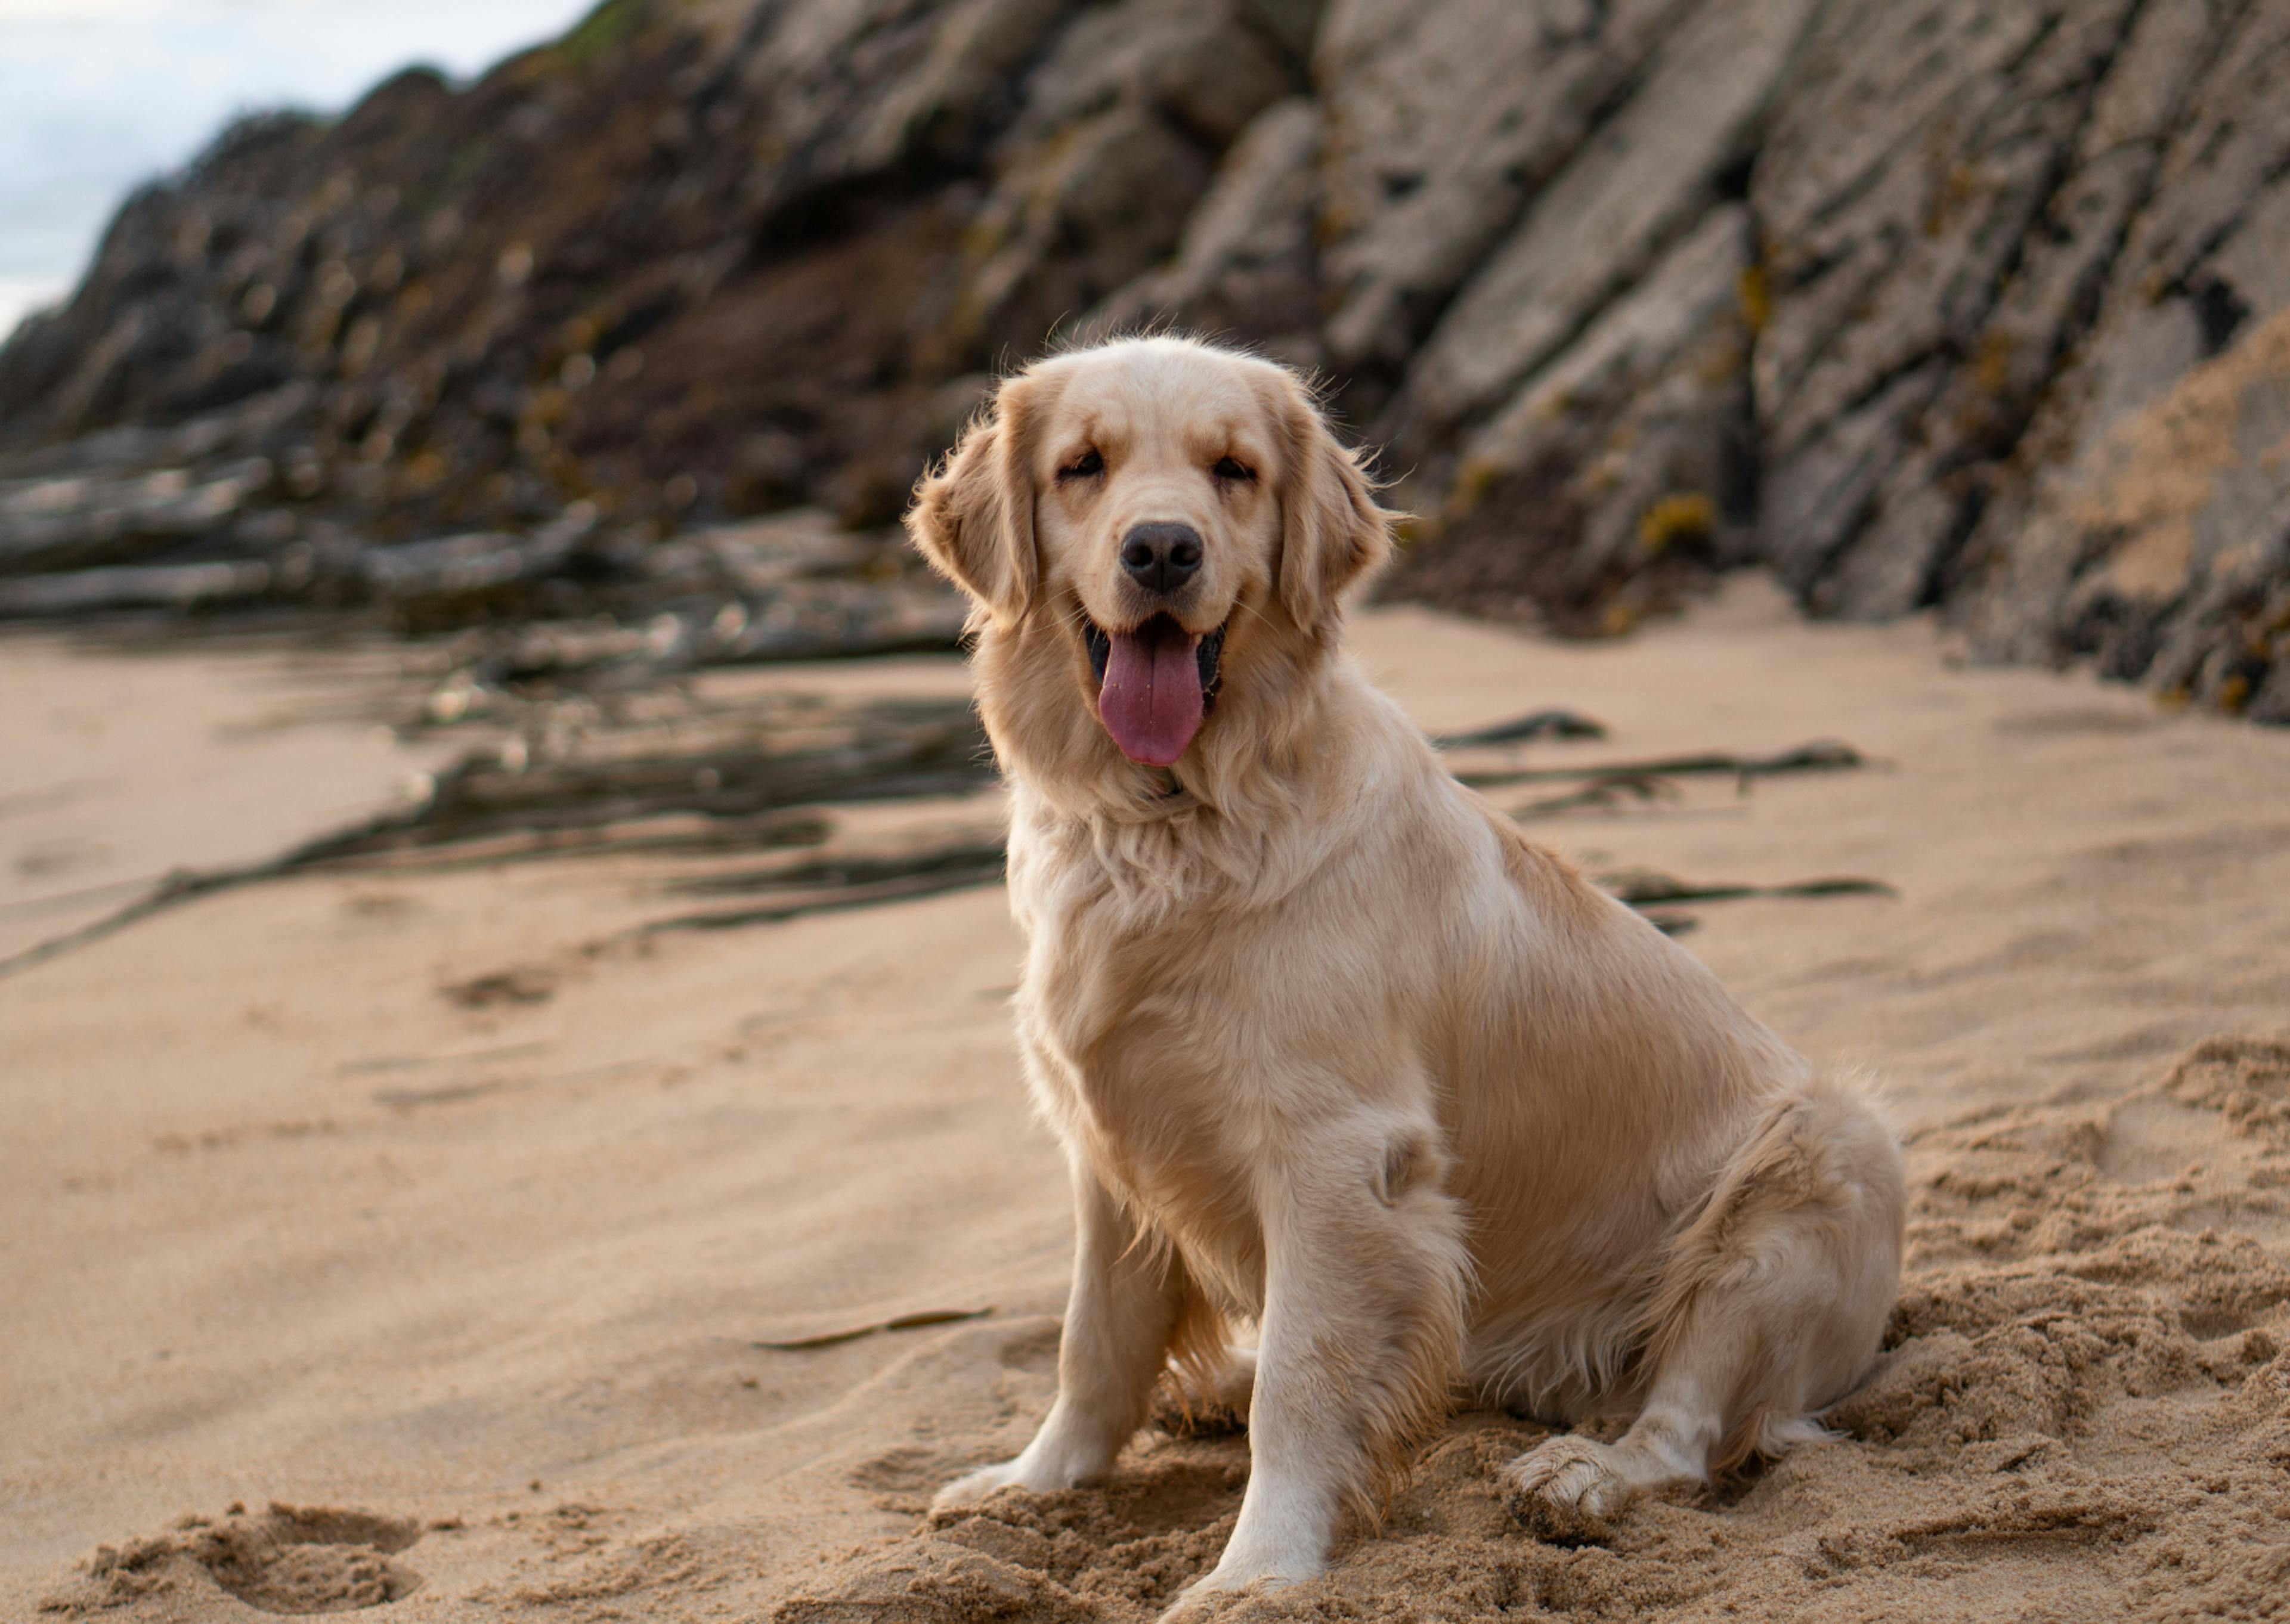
[1364,1271]
[1120,1316]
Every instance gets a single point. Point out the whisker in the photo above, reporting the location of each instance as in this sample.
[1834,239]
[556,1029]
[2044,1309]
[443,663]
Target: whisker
[1242,606]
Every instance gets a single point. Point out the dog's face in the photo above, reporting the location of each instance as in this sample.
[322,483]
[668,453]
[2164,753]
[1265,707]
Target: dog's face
[1157,523]
[1162,507]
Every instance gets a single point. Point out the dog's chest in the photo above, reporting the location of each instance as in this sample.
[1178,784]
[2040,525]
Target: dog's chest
[1140,1031]
[1114,995]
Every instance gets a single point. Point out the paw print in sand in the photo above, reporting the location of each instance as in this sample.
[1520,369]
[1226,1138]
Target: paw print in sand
[296,1560]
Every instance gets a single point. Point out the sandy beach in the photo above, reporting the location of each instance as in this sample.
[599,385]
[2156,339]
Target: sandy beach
[404,1239]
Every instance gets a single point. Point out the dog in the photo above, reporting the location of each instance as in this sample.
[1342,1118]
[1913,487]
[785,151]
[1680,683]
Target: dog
[1330,1045]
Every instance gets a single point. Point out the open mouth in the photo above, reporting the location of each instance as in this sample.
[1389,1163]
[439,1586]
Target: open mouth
[1155,684]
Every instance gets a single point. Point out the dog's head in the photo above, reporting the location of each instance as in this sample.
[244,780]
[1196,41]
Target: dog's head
[1156,514]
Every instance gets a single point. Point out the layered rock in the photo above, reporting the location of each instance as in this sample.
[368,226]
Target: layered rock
[1913,301]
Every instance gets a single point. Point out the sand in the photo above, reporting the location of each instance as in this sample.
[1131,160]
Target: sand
[326,1290]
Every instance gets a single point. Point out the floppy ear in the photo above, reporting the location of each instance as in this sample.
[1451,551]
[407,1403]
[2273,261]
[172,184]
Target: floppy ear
[972,516]
[1332,531]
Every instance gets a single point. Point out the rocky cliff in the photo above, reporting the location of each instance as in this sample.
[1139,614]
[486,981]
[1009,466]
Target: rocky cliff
[1982,304]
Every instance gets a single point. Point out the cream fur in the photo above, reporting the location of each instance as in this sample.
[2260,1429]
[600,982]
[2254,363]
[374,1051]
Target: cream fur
[1333,1048]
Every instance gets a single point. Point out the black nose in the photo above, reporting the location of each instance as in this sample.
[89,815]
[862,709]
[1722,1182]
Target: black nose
[1161,557]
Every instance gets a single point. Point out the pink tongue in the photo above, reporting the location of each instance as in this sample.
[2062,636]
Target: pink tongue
[1151,700]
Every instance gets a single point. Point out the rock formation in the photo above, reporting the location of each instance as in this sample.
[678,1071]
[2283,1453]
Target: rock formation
[1980,304]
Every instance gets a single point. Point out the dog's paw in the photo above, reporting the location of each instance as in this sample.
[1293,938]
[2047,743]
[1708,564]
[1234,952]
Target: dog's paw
[972,1487]
[1181,1414]
[1571,1476]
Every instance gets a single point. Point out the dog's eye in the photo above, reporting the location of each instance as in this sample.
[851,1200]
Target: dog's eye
[1084,465]
[1226,468]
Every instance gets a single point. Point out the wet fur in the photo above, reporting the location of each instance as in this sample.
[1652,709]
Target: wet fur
[1333,1049]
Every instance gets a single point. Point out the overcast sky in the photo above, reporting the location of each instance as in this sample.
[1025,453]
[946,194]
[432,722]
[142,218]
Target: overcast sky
[97,95]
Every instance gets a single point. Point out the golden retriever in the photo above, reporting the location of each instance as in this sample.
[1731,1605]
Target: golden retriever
[1331,1047]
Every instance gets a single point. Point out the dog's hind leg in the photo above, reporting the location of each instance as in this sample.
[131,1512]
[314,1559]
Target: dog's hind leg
[1128,1298]
[1772,1301]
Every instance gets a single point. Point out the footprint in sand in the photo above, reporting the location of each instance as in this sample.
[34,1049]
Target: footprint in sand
[288,1559]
